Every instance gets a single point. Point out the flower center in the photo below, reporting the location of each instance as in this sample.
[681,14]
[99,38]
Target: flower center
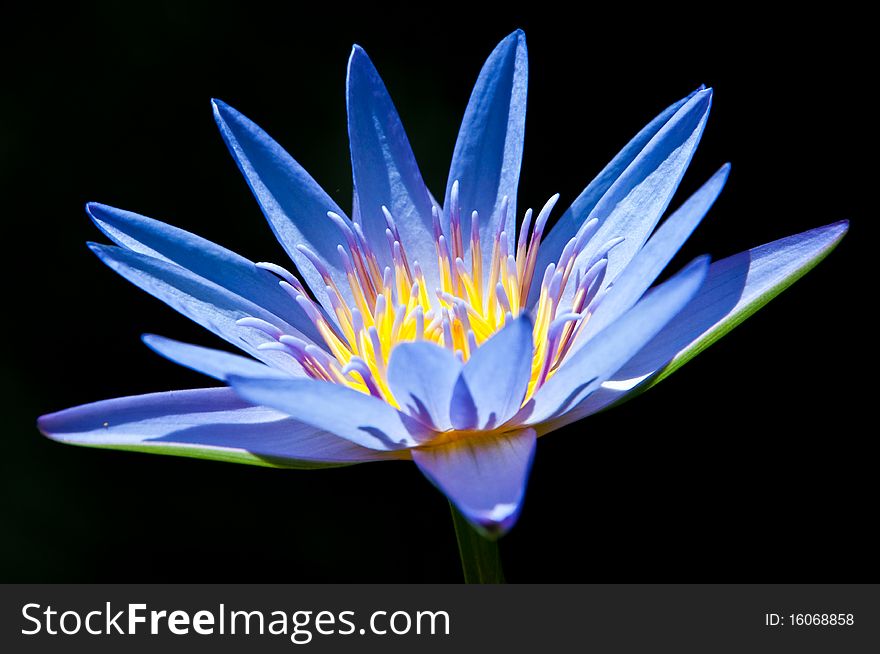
[475,299]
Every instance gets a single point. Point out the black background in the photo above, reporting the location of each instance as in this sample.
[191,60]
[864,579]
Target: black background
[751,463]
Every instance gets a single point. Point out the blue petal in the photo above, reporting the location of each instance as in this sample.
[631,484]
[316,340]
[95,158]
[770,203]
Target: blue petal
[385,170]
[484,477]
[650,261]
[212,306]
[583,371]
[488,152]
[360,418]
[493,382]
[294,204]
[210,423]
[734,289]
[633,205]
[421,377]
[569,222]
[202,257]
[211,362]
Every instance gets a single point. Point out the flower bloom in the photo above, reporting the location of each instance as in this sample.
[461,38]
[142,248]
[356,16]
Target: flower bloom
[442,335]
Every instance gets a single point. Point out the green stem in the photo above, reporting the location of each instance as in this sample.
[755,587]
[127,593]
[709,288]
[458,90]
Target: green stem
[480,560]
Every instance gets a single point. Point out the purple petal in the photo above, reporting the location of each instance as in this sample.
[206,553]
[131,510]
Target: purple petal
[202,257]
[211,362]
[633,205]
[212,423]
[488,152]
[734,289]
[294,204]
[650,261]
[493,382]
[422,377]
[213,307]
[569,222]
[360,418]
[484,477]
[583,371]
[385,169]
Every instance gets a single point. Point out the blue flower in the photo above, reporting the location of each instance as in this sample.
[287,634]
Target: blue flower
[444,336]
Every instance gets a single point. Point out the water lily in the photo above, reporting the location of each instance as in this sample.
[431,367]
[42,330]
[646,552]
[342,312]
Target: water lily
[443,334]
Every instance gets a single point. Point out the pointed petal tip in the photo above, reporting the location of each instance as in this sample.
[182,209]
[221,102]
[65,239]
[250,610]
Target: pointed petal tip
[702,91]
[152,340]
[705,95]
[359,63]
[835,231]
[699,89]
[43,425]
[50,426]
[93,211]
[486,481]
[696,271]
[702,262]
[100,213]
[701,98]
[517,38]
[495,523]
[216,108]
[721,174]
[103,252]
[832,232]
[222,111]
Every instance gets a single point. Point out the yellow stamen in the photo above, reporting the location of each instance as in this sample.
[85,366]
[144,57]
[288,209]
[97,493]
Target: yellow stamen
[399,306]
